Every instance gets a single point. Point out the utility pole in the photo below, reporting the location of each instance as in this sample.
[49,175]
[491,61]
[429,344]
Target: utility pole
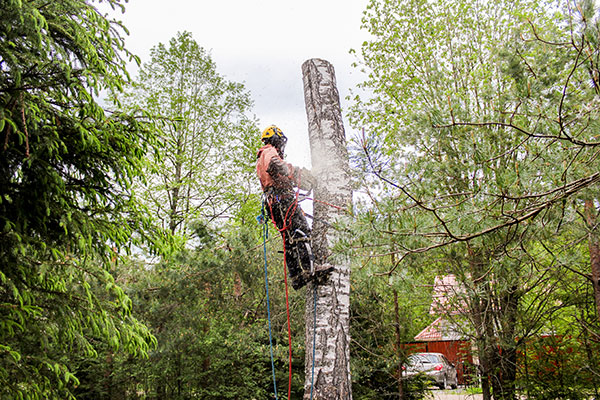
[332,195]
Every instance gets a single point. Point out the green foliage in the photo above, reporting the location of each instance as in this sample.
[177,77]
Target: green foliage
[380,331]
[479,146]
[449,129]
[560,359]
[66,208]
[558,367]
[207,309]
[208,140]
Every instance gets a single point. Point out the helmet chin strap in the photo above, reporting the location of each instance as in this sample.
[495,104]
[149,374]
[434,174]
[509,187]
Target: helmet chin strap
[278,142]
[282,146]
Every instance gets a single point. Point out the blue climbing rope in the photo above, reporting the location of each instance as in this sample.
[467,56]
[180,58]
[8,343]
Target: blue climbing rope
[265,236]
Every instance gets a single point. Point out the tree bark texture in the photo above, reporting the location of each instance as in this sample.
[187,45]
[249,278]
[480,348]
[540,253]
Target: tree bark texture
[594,246]
[479,309]
[398,344]
[330,167]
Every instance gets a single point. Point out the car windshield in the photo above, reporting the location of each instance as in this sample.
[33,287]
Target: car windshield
[423,358]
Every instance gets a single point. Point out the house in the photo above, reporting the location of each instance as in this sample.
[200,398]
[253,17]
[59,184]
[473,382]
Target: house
[442,335]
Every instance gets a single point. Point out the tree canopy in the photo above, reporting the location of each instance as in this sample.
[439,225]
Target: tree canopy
[66,206]
[477,154]
[208,137]
[489,123]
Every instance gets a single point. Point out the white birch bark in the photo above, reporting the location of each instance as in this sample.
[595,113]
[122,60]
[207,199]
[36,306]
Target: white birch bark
[330,167]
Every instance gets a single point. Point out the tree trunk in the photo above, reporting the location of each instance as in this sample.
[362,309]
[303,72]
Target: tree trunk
[479,306]
[594,246]
[494,307]
[398,345]
[330,167]
[505,385]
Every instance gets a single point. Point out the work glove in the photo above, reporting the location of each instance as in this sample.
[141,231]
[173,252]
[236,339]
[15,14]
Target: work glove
[305,179]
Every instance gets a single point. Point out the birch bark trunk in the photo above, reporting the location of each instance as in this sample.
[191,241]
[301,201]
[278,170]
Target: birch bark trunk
[330,167]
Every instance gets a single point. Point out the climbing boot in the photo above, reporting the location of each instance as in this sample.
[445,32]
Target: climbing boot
[320,274]
[321,270]
[298,281]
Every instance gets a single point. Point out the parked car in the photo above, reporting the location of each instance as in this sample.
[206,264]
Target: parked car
[433,366]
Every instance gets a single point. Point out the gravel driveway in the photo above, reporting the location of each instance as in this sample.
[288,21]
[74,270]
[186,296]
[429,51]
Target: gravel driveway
[454,395]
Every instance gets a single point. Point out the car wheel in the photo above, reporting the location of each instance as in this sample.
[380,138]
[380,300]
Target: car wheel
[444,383]
[454,385]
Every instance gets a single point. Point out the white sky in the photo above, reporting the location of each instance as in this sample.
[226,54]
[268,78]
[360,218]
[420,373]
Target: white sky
[261,43]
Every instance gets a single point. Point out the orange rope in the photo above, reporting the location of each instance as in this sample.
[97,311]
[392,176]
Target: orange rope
[287,310]
[287,220]
[327,204]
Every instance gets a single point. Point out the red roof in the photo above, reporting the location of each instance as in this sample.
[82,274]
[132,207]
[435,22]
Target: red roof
[445,289]
[440,329]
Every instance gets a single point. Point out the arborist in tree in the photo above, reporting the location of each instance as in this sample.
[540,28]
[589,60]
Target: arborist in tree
[278,180]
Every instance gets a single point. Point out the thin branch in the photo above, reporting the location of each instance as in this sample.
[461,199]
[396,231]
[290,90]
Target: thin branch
[521,130]
[573,187]
[537,37]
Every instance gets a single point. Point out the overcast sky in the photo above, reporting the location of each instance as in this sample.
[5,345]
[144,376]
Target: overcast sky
[263,45]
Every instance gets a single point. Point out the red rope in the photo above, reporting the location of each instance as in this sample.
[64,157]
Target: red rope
[287,310]
[327,204]
[286,224]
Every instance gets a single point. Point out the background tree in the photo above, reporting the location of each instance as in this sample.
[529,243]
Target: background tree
[485,129]
[205,304]
[208,139]
[66,207]
[385,315]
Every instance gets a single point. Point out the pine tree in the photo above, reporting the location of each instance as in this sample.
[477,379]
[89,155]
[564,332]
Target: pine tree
[66,208]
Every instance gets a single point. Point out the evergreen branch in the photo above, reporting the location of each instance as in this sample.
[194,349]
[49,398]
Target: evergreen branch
[510,125]
[530,213]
